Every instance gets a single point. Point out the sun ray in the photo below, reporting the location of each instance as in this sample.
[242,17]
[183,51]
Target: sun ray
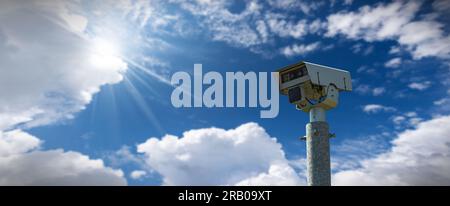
[147,71]
[142,104]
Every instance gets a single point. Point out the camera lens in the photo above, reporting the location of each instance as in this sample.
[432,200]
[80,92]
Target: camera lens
[295,94]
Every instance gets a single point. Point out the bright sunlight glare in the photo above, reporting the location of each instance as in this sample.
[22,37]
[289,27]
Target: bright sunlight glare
[105,54]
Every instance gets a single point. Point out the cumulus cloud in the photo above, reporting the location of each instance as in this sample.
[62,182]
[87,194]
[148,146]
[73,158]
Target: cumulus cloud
[22,163]
[56,167]
[278,174]
[214,156]
[419,156]
[393,21]
[376,108]
[17,142]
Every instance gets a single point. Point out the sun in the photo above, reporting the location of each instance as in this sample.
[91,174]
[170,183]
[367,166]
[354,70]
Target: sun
[106,47]
[105,53]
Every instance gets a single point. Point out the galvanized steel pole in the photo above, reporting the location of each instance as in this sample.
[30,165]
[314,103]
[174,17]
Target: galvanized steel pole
[318,149]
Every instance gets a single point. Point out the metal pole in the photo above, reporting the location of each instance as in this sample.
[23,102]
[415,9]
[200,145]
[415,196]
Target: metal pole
[318,149]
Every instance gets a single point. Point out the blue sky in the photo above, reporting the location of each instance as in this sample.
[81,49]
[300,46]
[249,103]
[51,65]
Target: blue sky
[398,54]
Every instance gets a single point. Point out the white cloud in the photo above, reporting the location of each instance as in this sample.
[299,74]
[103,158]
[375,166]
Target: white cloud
[424,39]
[415,121]
[49,70]
[398,119]
[294,5]
[367,70]
[299,49]
[262,30]
[359,48]
[138,174]
[244,155]
[372,23]
[393,63]
[283,28]
[442,101]
[362,89]
[62,65]
[16,142]
[365,89]
[257,26]
[420,85]
[409,119]
[56,167]
[394,50]
[376,108]
[378,91]
[411,114]
[223,25]
[418,157]
[348,2]
[124,156]
[393,21]
[316,26]
[22,163]
[278,174]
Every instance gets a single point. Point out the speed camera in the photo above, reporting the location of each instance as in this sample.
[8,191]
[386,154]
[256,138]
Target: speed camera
[308,85]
